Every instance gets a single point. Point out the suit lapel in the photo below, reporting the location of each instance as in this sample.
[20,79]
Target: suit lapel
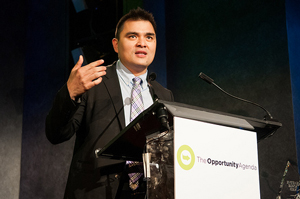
[111,81]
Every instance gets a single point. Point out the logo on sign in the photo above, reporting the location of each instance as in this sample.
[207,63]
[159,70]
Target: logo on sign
[186,157]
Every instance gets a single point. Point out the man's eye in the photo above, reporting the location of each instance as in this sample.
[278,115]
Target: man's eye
[149,38]
[132,36]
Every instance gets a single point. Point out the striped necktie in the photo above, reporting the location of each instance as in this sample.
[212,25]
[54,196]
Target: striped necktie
[137,106]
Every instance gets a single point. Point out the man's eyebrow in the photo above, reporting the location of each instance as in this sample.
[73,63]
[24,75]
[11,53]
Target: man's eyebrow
[131,33]
[150,33]
[136,33]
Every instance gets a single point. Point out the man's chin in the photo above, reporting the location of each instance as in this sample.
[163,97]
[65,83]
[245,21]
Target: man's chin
[141,64]
[137,67]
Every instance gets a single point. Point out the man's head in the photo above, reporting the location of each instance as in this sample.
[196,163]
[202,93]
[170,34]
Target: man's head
[135,41]
[135,15]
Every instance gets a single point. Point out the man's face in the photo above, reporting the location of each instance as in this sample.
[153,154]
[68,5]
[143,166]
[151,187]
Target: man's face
[136,46]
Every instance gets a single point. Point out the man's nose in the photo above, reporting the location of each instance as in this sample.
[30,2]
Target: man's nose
[141,42]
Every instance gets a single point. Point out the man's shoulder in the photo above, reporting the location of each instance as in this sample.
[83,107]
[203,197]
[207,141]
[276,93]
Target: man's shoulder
[157,85]
[111,66]
[111,70]
[162,92]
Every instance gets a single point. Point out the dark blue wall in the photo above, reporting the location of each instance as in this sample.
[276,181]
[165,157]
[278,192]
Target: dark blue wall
[242,45]
[293,32]
[44,167]
[159,65]
[12,55]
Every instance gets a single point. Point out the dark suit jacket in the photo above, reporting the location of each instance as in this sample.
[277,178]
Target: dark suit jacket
[95,121]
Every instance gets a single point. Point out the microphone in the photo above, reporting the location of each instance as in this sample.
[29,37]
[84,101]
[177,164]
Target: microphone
[151,78]
[211,81]
[161,111]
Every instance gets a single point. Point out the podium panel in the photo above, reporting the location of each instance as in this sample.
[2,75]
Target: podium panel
[214,161]
[203,154]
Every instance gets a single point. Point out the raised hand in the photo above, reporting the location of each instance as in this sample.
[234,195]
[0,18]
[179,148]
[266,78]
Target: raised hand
[84,78]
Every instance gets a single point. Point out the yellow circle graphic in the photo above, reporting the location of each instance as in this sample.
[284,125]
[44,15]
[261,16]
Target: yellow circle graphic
[190,159]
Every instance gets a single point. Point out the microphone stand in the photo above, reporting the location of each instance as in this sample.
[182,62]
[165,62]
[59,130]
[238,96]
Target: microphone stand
[209,80]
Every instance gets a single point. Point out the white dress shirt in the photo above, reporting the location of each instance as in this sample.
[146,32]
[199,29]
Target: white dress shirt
[126,84]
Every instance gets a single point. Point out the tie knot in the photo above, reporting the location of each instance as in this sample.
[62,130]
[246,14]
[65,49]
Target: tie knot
[136,80]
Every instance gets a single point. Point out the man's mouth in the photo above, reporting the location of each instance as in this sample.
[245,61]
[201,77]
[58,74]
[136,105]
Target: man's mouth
[141,53]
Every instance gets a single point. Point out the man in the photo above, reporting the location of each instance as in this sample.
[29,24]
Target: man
[95,104]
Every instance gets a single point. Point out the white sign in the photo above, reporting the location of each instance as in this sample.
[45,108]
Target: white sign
[213,161]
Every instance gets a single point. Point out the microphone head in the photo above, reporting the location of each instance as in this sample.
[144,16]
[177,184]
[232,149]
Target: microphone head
[152,77]
[206,78]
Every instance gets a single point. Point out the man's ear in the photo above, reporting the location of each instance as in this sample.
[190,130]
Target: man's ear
[115,44]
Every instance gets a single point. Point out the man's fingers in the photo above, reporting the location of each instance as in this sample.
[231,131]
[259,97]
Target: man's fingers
[100,69]
[98,75]
[97,81]
[95,63]
[95,72]
[91,84]
[84,78]
[79,62]
[87,80]
[93,67]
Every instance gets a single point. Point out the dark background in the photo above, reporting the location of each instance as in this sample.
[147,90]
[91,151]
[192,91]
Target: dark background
[250,49]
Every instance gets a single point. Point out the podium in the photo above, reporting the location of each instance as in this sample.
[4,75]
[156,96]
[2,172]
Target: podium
[200,154]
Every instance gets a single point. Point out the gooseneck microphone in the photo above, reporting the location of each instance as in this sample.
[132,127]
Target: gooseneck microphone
[151,78]
[161,111]
[211,81]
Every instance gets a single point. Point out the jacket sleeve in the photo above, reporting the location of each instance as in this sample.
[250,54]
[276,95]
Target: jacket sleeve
[61,124]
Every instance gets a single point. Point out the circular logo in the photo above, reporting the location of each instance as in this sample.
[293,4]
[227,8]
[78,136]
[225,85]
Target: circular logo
[186,157]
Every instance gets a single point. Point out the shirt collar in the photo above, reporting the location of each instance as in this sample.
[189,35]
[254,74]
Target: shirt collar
[127,76]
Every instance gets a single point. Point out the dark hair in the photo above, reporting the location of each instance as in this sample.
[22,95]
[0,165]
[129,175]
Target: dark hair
[135,15]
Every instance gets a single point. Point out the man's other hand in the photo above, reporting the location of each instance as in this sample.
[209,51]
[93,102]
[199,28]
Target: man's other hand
[84,78]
